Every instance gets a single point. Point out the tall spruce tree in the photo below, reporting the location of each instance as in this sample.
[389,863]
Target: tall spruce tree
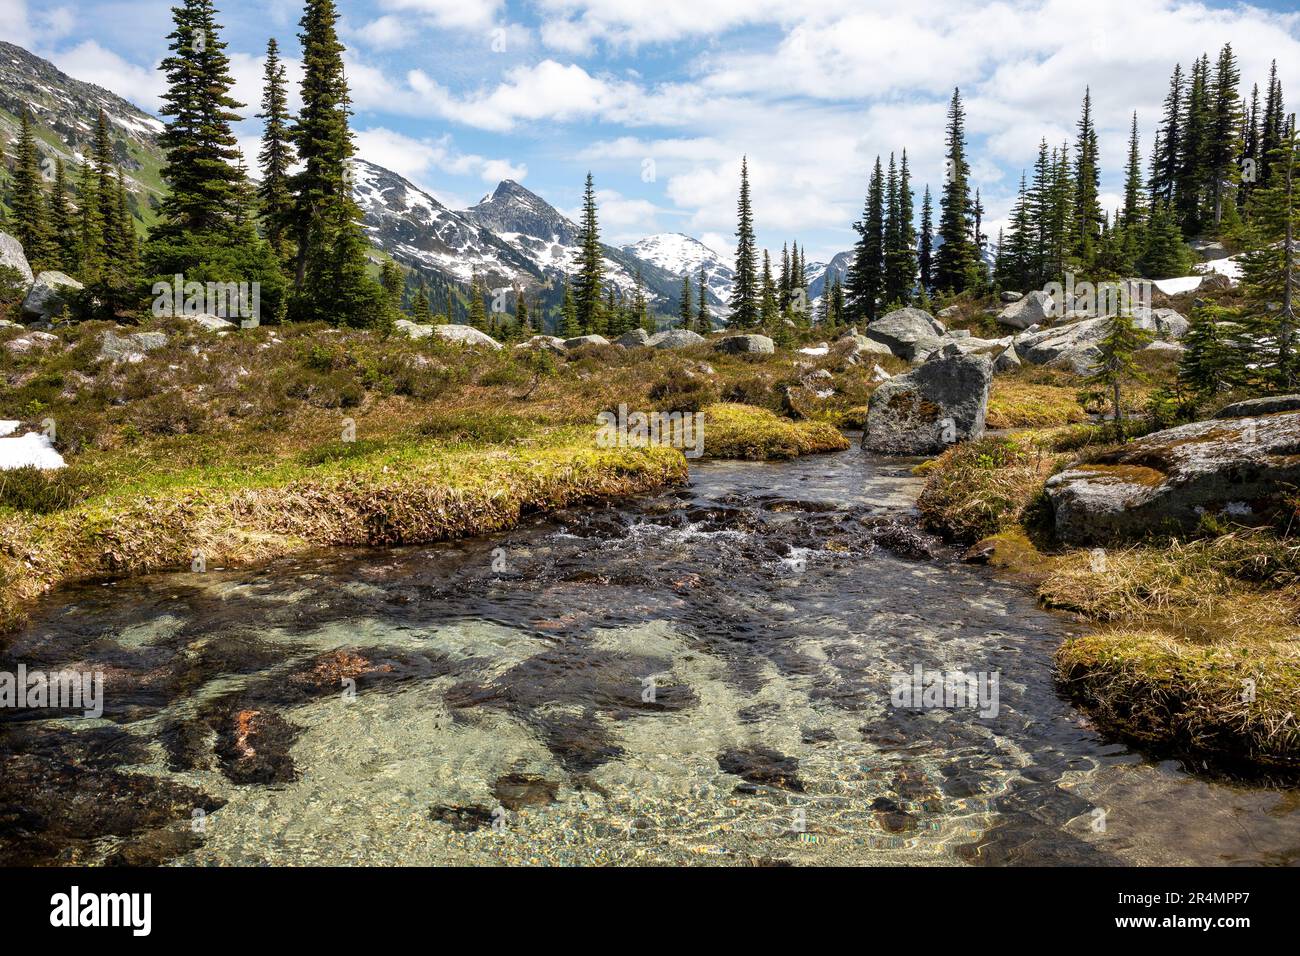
[1087,186]
[27,200]
[276,155]
[745,287]
[955,261]
[684,306]
[1225,131]
[703,320]
[63,222]
[1169,142]
[925,256]
[325,218]
[587,285]
[866,273]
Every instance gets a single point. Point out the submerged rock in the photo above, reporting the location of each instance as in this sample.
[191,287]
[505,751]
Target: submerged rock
[763,766]
[1168,481]
[942,401]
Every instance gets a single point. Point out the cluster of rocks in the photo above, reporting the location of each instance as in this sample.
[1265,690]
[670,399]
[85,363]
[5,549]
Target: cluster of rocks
[636,338]
[45,296]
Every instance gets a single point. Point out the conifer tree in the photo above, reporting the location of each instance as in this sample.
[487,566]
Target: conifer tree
[955,260]
[63,222]
[477,311]
[1169,142]
[1116,367]
[90,232]
[522,319]
[783,288]
[421,313]
[393,280]
[866,275]
[703,320]
[684,310]
[770,309]
[1087,185]
[325,218]
[926,253]
[1210,362]
[569,328]
[1190,186]
[586,287]
[1225,129]
[276,155]
[745,287]
[31,226]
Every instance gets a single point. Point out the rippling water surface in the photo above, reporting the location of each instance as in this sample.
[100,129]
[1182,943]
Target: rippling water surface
[702,677]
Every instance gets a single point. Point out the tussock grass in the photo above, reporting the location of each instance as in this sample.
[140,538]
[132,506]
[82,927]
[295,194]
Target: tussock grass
[1016,402]
[745,431]
[979,488]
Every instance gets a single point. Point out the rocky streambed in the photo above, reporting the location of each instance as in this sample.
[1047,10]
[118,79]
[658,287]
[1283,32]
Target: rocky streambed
[707,676]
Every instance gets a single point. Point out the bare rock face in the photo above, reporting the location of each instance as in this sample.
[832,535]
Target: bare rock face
[12,255]
[1034,309]
[1167,481]
[48,297]
[942,401]
[755,344]
[911,334]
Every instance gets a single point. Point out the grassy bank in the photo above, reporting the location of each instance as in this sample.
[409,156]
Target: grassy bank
[1193,645]
[273,440]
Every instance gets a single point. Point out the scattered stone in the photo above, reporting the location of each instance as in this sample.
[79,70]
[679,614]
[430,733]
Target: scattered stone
[1034,309]
[633,338]
[949,312]
[548,343]
[1168,481]
[32,340]
[674,339]
[129,348]
[1074,346]
[752,344]
[924,411]
[1008,296]
[12,255]
[49,296]
[211,323]
[518,790]
[578,341]
[462,819]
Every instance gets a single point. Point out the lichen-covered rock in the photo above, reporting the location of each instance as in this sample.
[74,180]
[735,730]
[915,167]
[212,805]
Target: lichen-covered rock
[942,401]
[755,344]
[910,333]
[633,338]
[674,339]
[129,348]
[1168,481]
[1073,346]
[49,295]
[578,341]
[858,348]
[465,335]
[12,255]
[412,329]
[1260,406]
[210,323]
[1034,309]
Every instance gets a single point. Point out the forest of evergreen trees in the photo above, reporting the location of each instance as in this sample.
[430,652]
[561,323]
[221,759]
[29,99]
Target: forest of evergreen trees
[1220,168]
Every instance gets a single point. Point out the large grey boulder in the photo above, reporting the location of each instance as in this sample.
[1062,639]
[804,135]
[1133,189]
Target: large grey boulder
[1073,346]
[910,333]
[674,339]
[1007,360]
[412,329]
[1167,482]
[465,335]
[1034,309]
[12,255]
[129,348]
[940,402]
[578,341]
[1170,325]
[633,339]
[753,344]
[1260,406]
[858,348]
[50,294]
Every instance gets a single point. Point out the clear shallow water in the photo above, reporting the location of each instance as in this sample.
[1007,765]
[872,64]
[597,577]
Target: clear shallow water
[702,677]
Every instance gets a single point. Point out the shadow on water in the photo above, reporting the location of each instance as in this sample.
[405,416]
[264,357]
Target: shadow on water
[703,676]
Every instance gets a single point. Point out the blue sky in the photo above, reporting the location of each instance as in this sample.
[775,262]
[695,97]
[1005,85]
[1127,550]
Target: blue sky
[659,98]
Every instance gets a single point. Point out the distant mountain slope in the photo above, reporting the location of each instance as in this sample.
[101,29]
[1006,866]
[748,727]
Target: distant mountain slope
[64,111]
[680,255]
